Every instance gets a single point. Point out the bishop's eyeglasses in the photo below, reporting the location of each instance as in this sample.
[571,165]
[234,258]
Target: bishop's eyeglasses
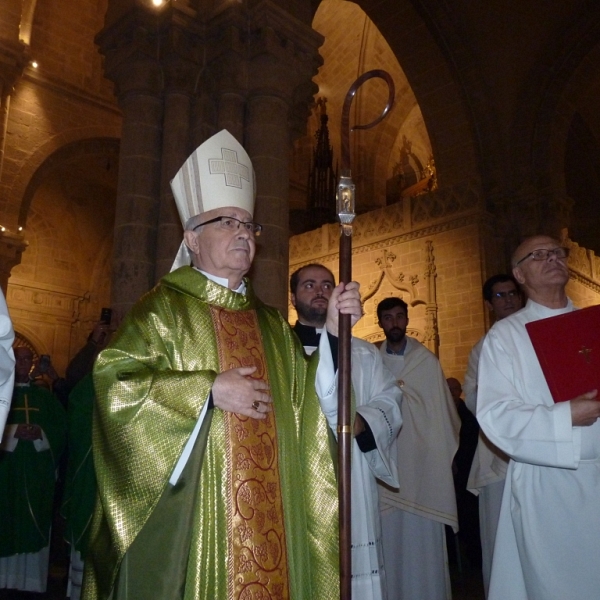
[232,224]
[544,253]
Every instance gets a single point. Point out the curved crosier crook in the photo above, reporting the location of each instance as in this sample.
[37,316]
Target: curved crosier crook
[345,132]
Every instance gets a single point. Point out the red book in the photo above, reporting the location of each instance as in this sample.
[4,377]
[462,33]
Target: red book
[568,348]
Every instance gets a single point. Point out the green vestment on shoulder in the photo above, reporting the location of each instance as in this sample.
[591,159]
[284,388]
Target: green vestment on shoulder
[28,477]
[154,540]
[80,484]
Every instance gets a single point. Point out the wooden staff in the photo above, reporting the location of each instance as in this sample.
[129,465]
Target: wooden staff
[346,208]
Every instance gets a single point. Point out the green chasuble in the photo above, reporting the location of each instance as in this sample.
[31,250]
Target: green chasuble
[28,476]
[197,539]
[80,485]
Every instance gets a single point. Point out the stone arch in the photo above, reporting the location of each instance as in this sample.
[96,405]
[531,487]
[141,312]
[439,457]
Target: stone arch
[27,336]
[430,76]
[540,130]
[436,81]
[52,154]
[550,156]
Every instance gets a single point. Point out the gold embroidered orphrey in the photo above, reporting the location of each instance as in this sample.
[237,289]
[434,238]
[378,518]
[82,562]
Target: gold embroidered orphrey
[256,542]
[27,409]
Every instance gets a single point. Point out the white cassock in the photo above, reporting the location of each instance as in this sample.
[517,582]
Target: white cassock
[488,471]
[377,400]
[413,518]
[7,362]
[548,538]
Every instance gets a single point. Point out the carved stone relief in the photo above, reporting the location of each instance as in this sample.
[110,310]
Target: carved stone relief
[443,202]
[407,286]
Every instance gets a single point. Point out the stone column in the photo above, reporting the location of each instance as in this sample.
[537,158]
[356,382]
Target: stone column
[282,59]
[136,71]
[181,70]
[226,75]
[260,63]
[14,56]
[268,144]
[12,246]
[174,152]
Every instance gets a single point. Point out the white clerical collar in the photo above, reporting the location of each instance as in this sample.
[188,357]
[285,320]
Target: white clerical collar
[223,281]
[27,384]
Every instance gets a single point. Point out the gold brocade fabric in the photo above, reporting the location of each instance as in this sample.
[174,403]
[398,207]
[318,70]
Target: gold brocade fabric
[151,384]
[255,510]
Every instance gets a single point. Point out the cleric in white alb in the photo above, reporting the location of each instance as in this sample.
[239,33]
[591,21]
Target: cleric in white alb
[548,539]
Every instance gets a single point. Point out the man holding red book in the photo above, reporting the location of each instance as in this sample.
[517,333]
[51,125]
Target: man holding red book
[548,538]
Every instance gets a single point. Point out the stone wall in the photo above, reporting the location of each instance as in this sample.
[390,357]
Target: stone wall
[437,266]
[55,295]
[584,265]
[58,178]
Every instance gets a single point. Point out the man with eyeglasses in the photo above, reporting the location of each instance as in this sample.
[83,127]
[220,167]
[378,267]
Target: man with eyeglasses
[548,537]
[502,297]
[213,458]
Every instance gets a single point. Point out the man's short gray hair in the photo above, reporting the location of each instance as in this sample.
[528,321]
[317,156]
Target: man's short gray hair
[189,226]
[192,222]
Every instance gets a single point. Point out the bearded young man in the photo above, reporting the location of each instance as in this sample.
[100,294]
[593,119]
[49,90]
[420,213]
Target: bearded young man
[413,517]
[548,537]
[377,421]
[212,455]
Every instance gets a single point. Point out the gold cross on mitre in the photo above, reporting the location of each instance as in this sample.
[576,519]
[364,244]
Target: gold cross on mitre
[585,352]
[27,409]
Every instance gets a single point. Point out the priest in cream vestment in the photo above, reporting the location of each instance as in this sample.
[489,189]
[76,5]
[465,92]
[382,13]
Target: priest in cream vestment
[215,473]
[413,517]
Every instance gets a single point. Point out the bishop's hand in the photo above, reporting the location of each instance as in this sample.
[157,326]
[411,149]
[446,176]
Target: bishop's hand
[28,432]
[235,391]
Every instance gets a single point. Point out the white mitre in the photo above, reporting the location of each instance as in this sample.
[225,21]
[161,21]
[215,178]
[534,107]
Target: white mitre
[217,174]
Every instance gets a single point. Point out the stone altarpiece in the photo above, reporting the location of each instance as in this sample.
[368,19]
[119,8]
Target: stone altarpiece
[434,251]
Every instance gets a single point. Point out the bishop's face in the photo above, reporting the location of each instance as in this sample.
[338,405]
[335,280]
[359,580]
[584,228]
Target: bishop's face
[221,252]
